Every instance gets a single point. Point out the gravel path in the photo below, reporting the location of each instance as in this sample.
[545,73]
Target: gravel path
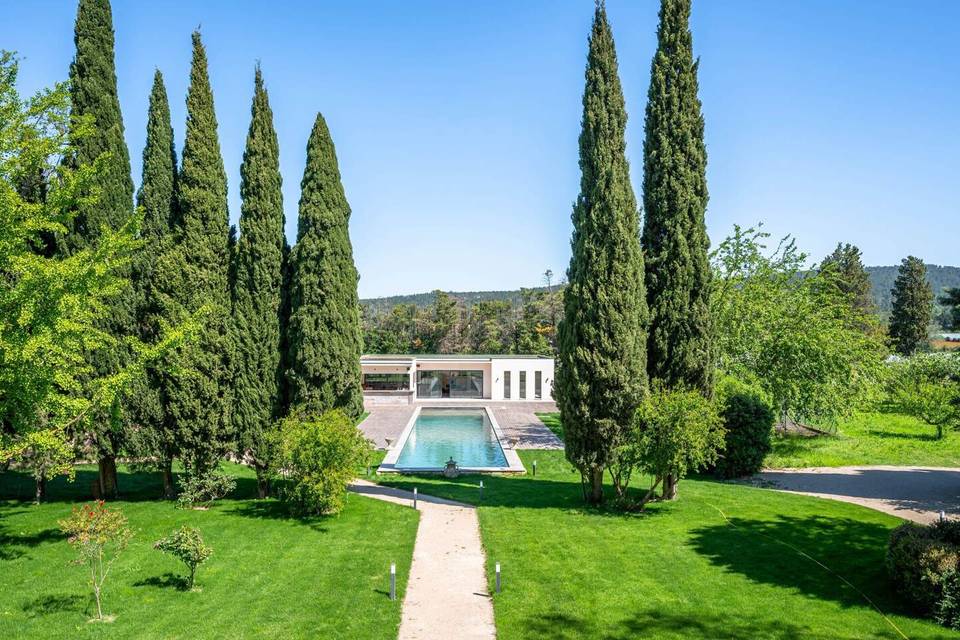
[912,493]
[447,590]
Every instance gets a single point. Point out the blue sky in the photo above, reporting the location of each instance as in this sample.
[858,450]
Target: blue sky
[456,123]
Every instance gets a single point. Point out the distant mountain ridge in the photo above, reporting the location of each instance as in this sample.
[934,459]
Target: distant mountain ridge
[881,280]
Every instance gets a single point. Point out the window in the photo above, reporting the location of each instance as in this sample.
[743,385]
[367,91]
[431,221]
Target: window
[523,385]
[538,385]
[506,385]
[386,382]
[449,384]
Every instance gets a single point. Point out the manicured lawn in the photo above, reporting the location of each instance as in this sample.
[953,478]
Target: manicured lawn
[681,570]
[271,576]
[870,438]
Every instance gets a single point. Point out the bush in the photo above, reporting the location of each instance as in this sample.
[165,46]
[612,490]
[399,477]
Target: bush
[200,490]
[748,420]
[948,608]
[317,461]
[187,544]
[920,560]
[99,534]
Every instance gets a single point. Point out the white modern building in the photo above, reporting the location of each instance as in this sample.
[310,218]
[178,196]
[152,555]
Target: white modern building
[403,379]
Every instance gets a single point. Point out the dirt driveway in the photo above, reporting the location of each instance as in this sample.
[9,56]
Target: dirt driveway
[913,493]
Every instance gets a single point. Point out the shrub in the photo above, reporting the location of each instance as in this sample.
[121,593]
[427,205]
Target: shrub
[200,490]
[748,420]
[318,459]
[99,534]
[187,544]
[948,608]
[919,560]
[673,432]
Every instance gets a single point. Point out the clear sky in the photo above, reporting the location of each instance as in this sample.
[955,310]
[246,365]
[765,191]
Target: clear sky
[456,123]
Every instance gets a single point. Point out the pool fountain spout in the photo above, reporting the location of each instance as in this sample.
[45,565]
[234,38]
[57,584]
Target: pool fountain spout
[451,470]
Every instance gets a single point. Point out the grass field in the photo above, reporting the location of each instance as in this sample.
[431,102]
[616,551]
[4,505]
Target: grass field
[869,438]
[682,570]
[271,576]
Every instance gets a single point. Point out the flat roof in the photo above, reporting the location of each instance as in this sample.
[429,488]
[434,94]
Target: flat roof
[452,356]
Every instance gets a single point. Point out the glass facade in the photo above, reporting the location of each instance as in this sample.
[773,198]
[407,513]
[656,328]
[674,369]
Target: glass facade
[506,385]
[538,385]
[386,382]
[523,385]
[449,384]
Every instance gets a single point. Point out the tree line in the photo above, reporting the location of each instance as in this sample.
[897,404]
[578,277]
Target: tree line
[206,335]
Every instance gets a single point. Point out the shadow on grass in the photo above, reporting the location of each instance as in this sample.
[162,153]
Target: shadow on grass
[658,623]
[169,580]
[45,605]
[894,435]
[273,509]
[10,544]
[765,551]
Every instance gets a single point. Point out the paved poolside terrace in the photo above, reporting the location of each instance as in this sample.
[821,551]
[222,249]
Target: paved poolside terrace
[518,421]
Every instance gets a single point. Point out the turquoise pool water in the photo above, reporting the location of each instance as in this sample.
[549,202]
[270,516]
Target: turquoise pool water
[465,435]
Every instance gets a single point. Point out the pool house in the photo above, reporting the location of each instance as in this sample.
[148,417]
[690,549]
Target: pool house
[406,379]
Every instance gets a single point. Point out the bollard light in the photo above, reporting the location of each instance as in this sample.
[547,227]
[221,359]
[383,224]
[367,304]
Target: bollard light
[498,577]
[414,497]
[481,489]
[943,516]
[534,468]
[393,581]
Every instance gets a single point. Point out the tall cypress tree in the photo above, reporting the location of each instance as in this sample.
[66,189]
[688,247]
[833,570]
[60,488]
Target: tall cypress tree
[93,95]
[157,200]
[195,275]
[912,307]
[258,283]
[324,337]
[675,241]
[601,376]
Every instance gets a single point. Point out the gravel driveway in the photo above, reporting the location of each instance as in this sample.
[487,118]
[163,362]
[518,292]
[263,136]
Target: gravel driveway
[912,493]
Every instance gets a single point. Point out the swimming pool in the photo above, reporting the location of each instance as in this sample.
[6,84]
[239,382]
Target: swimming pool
[469,436]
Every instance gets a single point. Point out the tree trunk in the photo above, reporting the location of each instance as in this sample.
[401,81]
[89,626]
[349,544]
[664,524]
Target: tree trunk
[596,485]
[263,483]
[166,470]
[107,476]
[41,492]
[670,487]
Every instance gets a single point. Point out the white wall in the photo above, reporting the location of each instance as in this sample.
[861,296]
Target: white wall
[515,366]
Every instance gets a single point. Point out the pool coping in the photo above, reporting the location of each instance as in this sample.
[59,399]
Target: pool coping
[389,464]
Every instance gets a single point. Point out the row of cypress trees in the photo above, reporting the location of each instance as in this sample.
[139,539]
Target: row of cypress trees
[636,311]
[281,326]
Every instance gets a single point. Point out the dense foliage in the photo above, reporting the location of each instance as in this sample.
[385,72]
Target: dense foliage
[912,307]
[843,270]
[927,386]
[675,241]
[257,286]
[316,459]
[791,332]
[920,560]
[601,374]
[193,274]
[323,337]
[748,424]
[187,545]
[673,433]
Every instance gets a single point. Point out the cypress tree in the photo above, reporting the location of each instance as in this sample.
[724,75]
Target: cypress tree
[257,287]
[912,307]
[157,201]
[324,337]
[601,376]
[93,95]
[195,275]
[675,241]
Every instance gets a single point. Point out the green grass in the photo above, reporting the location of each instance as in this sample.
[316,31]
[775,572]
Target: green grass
[270,575]
[680,570]
[869,438]
[552,420]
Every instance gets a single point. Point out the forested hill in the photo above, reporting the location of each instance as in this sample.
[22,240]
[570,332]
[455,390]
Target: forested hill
[881,278]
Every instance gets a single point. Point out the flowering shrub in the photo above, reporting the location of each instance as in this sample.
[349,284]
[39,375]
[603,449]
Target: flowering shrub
[187,544]
[99,534]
